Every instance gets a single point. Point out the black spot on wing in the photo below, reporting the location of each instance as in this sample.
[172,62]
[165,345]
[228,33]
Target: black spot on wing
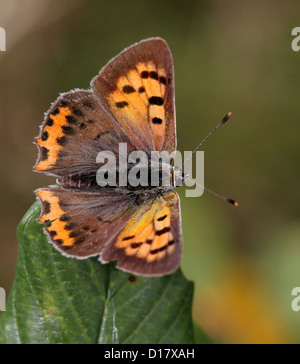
[128,237]
[145,74]
[71,120]
[136,245]
[68,130]
[46,207]
[45,135]
[154,75]
[76,111]
[157,121]
[121,104]
[49,122]
[64,217]
[128,89]
[155,251]
[162,218]
[61,141]
[70,226]
[44,153]
[80,240]
[163,231]
[74,234]
[163,80]
[55,111]
[156,100]
[63,103]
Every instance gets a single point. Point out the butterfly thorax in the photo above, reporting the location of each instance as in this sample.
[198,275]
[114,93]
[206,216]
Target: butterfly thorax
[167,179]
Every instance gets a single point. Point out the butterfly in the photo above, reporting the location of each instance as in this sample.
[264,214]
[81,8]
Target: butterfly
[131,101]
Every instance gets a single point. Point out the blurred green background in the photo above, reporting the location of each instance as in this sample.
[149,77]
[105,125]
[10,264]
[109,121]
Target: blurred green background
[229,56]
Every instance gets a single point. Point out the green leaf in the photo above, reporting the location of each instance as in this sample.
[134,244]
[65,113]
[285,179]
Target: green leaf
[55,299]
[200,336]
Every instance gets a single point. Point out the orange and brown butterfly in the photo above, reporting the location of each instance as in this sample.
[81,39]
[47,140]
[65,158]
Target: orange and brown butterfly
[131,101]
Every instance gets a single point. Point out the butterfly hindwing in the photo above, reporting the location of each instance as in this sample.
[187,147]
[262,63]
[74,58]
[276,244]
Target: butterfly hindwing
[80,223]
[137,87]
[144,239]
[151,242]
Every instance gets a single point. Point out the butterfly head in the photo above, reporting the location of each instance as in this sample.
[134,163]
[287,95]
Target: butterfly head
[179,176]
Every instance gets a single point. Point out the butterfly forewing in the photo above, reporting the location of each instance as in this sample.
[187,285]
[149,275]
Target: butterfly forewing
[75,130]
[137,87]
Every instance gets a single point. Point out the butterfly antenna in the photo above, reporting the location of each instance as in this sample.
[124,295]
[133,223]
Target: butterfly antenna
[229,200]
[224,120]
